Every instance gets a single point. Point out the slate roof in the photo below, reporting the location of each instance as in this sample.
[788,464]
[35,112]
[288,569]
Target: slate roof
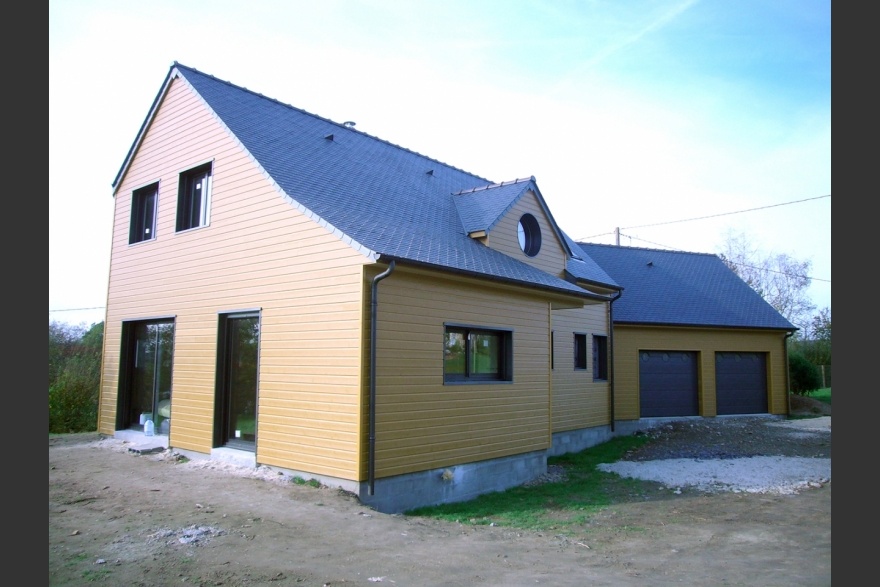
[382,199]
[680,288]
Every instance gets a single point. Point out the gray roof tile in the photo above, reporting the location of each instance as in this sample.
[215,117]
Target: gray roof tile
[680,288]
[375,193]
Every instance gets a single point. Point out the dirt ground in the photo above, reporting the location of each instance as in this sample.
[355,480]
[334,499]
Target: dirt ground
[122,518]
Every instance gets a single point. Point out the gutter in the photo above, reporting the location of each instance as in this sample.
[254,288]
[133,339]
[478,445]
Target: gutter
[611,353]
[787,371]
[374,305]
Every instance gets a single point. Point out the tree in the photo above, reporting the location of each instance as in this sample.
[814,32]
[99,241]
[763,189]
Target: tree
[816,342]
[778,278]
[63,341]
[74,376]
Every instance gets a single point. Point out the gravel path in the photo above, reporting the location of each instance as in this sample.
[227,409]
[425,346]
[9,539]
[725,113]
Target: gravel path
[760,454]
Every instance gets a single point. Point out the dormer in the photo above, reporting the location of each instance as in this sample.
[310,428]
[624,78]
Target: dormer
[512,218]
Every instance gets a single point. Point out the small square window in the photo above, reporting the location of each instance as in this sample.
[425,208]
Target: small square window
[194,198]
[600,358]
[580,351]
[143,214]
[476,354]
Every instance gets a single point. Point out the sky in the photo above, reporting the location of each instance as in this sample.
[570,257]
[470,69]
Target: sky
[673,124]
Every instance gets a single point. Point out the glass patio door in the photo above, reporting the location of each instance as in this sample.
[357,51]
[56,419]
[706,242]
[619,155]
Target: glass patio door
[150,354]
[237,394]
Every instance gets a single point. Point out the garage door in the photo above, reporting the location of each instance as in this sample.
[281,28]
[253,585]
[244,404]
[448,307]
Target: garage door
[668,384]
[741,383]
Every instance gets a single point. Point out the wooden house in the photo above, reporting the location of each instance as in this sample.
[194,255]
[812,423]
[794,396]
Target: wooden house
[288,291]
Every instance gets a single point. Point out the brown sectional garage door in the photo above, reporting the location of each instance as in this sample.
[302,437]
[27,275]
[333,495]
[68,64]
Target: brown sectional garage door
[668,384]
[741,383]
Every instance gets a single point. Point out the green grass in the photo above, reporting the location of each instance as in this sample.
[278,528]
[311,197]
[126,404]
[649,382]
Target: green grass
[562,506]
[566,505]
[823,395]
[310,482]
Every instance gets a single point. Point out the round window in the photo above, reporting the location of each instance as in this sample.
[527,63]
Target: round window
[529,234]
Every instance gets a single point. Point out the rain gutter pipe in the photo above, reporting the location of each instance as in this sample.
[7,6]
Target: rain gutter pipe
[374,305]
[787,370]
[611,352]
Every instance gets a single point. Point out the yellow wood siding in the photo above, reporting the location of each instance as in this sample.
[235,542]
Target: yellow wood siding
[504,237]
[422,423]
[629,340]
[578,401]
[259,252]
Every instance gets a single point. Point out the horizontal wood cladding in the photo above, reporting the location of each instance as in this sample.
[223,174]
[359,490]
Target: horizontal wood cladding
[629,340]
[421,422]
[257,253]
[504,237]
[578,400]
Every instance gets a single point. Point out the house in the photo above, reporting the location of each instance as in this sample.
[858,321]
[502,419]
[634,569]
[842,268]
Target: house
[288,291]
[690,338]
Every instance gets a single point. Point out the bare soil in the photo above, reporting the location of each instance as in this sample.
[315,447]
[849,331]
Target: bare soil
[121,518]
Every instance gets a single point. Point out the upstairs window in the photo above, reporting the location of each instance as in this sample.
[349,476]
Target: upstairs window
[477,354]
[143,214]
[600,358]
[194,198]
[528,231]
[580,351]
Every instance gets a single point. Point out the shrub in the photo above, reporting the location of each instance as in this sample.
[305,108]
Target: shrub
[73,397]
[805,376]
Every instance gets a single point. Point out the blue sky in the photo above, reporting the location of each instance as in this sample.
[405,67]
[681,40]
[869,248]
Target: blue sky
[640,115]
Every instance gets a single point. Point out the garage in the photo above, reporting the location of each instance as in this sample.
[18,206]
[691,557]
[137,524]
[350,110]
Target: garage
[668,384]
[741,383]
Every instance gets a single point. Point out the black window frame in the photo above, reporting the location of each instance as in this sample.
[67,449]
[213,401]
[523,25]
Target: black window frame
[504,354]
[600,357]
[580,351]
[142,225]
[193,211]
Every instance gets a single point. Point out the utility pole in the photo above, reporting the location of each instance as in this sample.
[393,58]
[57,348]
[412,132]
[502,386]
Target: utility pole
[617,236]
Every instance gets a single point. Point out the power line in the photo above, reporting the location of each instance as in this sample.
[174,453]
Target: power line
[710,216]
[739,264]
[78,309]
[728,213]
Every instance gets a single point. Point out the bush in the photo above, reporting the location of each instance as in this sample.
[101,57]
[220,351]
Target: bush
[74,377]
[805,376]
[73,397]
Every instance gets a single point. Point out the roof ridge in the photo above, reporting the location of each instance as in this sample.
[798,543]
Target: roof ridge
[676,251]
[494,185]
[319,117]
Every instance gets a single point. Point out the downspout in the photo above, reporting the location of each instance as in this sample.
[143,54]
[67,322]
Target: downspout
[787,372]
[374,304]
[611,353]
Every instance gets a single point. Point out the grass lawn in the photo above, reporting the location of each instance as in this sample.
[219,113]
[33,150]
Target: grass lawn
[823,395]
[563,506]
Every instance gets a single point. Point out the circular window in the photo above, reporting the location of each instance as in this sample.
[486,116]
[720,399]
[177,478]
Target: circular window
[529,233]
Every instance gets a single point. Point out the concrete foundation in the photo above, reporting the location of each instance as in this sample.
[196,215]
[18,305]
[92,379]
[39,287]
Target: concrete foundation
[452,484]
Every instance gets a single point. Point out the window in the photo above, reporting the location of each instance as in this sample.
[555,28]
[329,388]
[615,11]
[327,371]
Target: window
[477,354]
[194,198]
[529,235]
[580,351]
[600,358]
[143,214]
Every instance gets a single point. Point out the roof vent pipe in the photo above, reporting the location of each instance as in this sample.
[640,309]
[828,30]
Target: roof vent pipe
[374,305]
[348,124]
